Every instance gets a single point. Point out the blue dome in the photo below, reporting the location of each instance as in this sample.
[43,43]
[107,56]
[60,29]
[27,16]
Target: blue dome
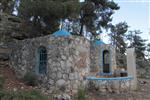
[99,42]
[61,32]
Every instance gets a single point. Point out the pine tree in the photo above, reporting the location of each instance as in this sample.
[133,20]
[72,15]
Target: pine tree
[118,36]
[148,50]
[7,6]
[137,42]
[96,15]
[45,15]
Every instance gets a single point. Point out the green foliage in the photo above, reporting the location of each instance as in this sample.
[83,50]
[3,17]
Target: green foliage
[148,50]
[2,80]
[142,63]
[118,36]
[96,15]
[22,95]
[30,79]
[148,47]
[46,14]
[81,94]
[137,42]
[7,6]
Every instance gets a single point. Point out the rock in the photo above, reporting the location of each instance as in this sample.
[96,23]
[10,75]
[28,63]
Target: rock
[55,69]
[22,87]
[143,82]
[15,89]
[71,76]
[60,82]
[50,61]
[70,59]
[63,65]
[68,70]
[68,64]
[65,76]
[53,75]
[66,97]
[4,57]
[8,22]
[62,97]
[59,75]
[63,57]
[51,82]
[18,35]
[76,75]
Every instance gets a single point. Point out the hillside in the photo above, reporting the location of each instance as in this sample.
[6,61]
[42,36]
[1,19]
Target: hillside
[142,93]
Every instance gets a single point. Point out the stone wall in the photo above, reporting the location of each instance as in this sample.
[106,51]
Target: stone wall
[97,58]
[68,60]
[110,86]
[23,56]
[5,51]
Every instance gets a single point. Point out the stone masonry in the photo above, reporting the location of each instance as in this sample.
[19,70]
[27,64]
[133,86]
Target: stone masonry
[97,58]
[68,60]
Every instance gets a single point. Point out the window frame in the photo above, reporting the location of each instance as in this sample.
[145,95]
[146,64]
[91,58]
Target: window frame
[41,60]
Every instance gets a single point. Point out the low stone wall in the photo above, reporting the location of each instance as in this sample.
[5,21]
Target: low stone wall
[110,86]
[68,61]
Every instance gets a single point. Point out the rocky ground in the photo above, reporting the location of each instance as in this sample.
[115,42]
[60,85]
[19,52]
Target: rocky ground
[11,82]
[142,93]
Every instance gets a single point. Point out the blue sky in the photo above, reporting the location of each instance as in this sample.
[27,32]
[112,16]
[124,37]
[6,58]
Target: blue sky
[136,13]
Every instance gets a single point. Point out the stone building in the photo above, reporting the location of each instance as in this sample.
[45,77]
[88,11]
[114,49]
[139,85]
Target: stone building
[58,61]
[103,58]
[62,60]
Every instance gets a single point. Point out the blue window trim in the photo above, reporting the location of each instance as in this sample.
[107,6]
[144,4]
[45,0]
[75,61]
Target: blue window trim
[102,64]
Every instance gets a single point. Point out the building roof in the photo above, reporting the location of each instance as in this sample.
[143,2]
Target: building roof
[61,32]
[99,42]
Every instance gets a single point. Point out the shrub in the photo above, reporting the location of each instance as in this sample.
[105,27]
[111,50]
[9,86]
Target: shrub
[22,95]
[81,94]
[2,94]
[30,79]
[2,80]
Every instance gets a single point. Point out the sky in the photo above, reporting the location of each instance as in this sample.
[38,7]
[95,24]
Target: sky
[137,15]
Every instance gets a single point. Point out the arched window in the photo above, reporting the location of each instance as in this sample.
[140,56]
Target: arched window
[42,60]
[106,61]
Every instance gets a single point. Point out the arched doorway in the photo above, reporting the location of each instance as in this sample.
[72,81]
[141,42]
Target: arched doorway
[106,61]
[42,60]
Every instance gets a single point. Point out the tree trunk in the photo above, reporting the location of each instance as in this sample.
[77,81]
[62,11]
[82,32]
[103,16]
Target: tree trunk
[81,29]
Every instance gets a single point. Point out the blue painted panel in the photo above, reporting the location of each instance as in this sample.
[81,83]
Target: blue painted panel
[99,42]
[61,32]
[108,79]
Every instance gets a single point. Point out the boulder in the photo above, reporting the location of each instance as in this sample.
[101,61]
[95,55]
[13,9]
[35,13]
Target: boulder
[60,82]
